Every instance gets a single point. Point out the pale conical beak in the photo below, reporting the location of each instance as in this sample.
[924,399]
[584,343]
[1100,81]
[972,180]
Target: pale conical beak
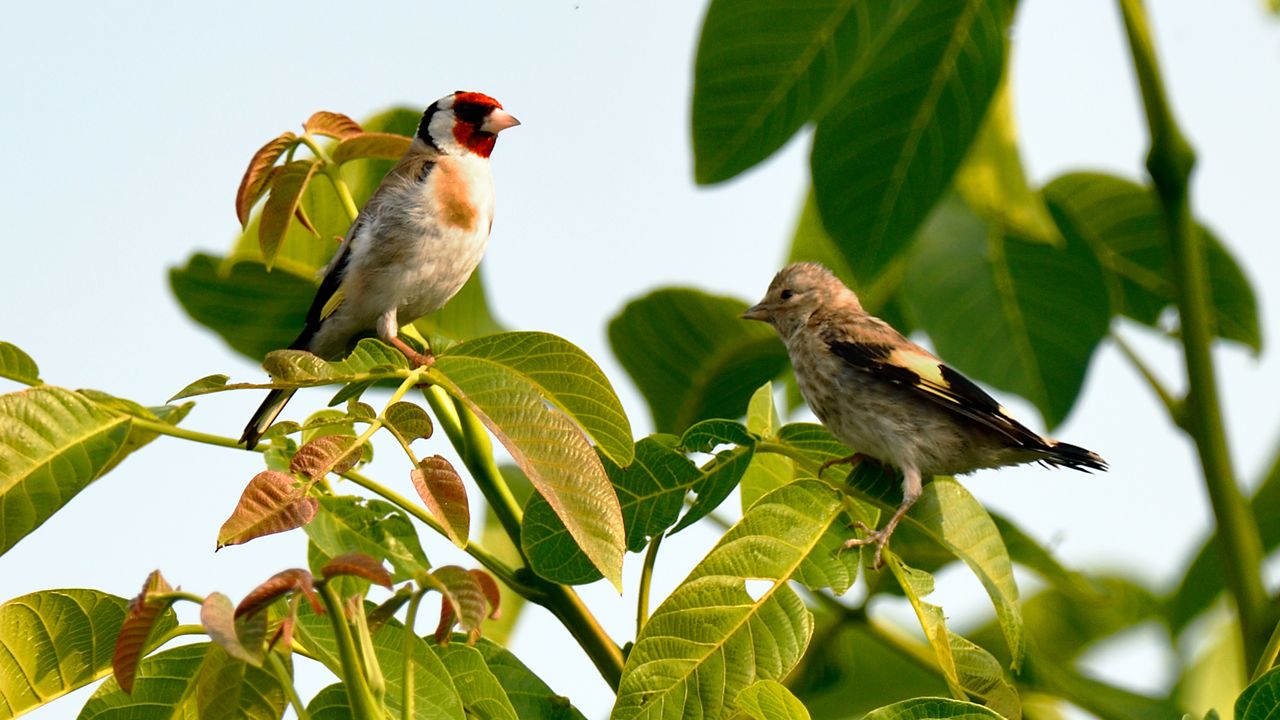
[761,312]
[498,120]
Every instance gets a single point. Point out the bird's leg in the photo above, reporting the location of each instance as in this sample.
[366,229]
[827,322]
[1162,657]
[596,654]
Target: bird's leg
[414,356]
[853,459]
[912,486]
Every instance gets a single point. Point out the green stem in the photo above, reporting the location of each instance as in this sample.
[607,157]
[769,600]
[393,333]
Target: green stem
[565,604]
[163,428]
[410,643]
[1174,406]
[334,173]
[363,704]
[479,460]
[180,631]
[646,579]
[781,449]
[286,682]
[177,595]
[1169,163]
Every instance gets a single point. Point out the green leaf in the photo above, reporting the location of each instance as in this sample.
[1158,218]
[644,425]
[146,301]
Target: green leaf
[1024,317]
[482,694]
[903,120]
[712,637]
[651,492]
[138,436]
[692,357]
[992,180]
[510,393]
[54,641]
[253,311]
[242,638]
[932,709]
[1204,579]
[229,688]
[53,443]
[168,686]
[529,695]
[563,374]
[17,365]
[330,704]
[722,473]
[950,516]
[761,72]
[371,145]
[1123,223]
[770,700]
[968,668]
[435,695]
[376,528]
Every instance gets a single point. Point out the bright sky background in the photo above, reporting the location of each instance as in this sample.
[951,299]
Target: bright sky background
[125,130]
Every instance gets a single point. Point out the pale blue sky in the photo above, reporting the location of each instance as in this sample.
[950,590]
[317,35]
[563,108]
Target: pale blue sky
[125,130]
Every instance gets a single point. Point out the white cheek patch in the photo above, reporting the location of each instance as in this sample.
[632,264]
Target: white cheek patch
[441,127]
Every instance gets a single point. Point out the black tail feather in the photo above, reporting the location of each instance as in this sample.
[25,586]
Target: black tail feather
[265,415]
[1073,456]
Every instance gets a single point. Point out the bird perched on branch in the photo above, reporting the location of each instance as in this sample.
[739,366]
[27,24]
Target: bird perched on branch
[415,243]
[890,399]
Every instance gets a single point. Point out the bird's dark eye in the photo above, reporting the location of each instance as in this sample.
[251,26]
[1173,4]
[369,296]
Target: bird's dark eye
[786,294]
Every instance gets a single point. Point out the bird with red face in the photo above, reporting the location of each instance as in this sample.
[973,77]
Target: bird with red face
[413,246]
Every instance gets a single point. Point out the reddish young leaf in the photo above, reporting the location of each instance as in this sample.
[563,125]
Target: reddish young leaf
[272,502]
[327,453]
[371,145]
[285,581]
[464,603]
[139,620]
[408,421]
[240,637]
[359,565]
[489,587]
[282,204]
[301,215]
[332,124]
[257,175]
[444,495]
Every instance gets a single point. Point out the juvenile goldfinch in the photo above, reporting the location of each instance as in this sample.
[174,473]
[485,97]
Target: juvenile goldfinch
[890,399]
[414,244]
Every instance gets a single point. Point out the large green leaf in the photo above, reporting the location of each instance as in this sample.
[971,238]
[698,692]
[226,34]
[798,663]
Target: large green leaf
[511,396]
[1123,223]
[53,443]
[138,436]
[1261,700]
[954,519]
[54,641]
[651,492]
[903,120]
[970,671]
[330,704]
[435,695]
[191,681]
[691,356]
[17,365]
[564,375]
[770,700]
[1024,317]
[714,636]
[762,71]
[482,694]
[932,709]
[529,695]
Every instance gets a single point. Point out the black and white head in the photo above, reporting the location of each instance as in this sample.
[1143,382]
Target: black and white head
[464,122]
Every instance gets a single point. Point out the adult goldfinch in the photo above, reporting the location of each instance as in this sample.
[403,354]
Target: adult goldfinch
[890,399]
[414,244]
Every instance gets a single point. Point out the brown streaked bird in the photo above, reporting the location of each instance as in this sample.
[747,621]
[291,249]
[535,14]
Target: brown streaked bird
[890,399]
[415,243]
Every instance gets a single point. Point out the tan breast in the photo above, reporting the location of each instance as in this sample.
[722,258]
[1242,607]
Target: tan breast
[454,205]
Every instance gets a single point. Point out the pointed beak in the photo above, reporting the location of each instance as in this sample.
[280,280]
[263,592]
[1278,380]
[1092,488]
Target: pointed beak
[498,120]
[761,312]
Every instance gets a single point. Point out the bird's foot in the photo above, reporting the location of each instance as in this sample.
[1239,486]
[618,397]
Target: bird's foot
[879,538]
[415,357]
[852,460]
